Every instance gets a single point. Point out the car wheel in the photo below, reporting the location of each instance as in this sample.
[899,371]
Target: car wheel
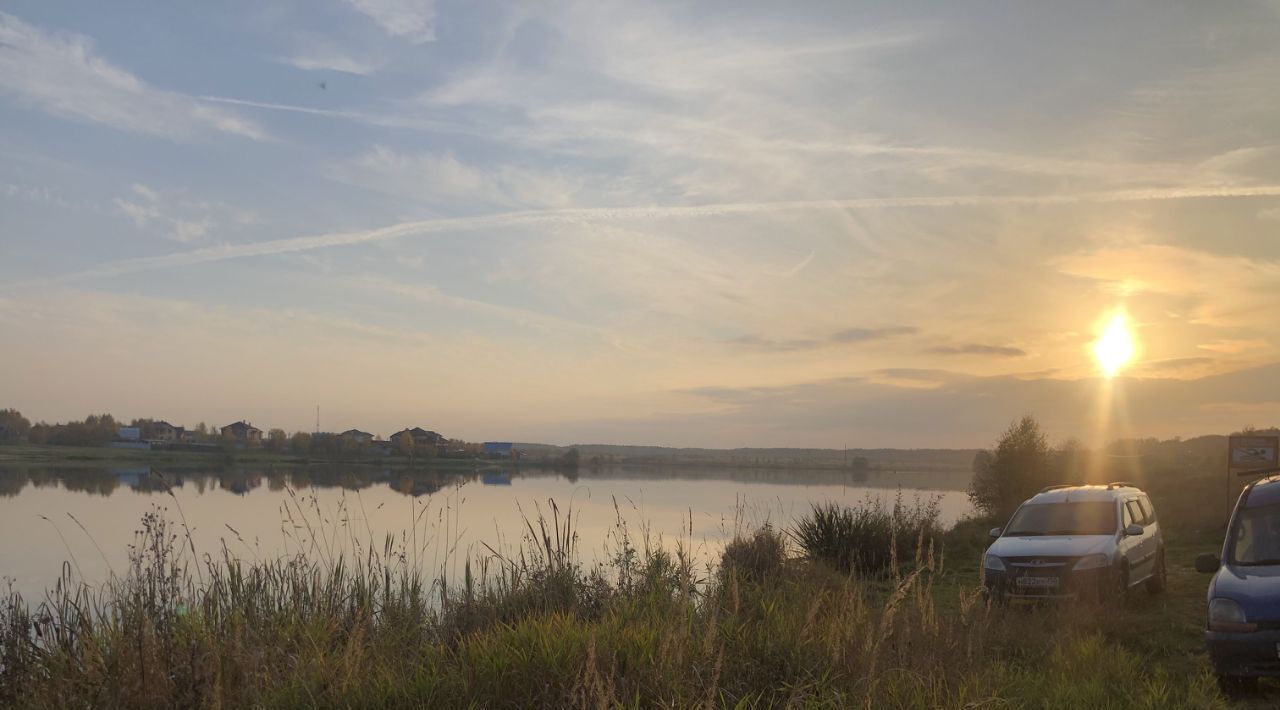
[1160,577]
[1234,686]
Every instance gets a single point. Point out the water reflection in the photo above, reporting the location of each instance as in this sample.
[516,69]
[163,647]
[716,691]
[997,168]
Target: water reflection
[241,480]
[87,515]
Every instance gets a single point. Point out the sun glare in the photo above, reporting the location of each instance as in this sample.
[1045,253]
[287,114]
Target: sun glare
[1114,348]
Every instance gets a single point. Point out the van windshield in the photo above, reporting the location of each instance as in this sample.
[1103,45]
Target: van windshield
[1255,541]
[1087,518]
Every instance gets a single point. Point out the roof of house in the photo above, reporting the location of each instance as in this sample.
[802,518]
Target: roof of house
[418,432]
[241,426]
[356,432]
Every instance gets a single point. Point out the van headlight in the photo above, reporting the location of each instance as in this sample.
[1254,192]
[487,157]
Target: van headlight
[1226,615]
[1091,562]
[993,563]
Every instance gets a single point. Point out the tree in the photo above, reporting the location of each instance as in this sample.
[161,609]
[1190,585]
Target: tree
[300,443]
[146,427]
[404,444]
[13,425]
[1016,469]
[277,440]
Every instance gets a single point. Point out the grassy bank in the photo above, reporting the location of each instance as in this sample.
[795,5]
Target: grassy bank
[765,627]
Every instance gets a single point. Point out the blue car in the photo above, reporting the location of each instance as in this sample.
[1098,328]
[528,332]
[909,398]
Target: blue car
[1243,632]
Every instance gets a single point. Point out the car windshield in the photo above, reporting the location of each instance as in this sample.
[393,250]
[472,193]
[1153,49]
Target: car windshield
[1091,518]
[1256,538]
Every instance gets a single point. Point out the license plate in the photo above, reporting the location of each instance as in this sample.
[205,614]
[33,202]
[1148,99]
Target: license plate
[1038,582]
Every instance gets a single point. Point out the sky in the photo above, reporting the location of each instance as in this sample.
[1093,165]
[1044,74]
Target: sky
[709,224]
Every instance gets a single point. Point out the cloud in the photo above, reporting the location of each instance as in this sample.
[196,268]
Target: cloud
[414,20]
[862,335]
[333,62]
[413,228]
[35,193]
[894,409]
[1176,363]
[61,74]
[177,218]
[1225,290]
[442,180]
[1233,347]
[847,336]
[977,349]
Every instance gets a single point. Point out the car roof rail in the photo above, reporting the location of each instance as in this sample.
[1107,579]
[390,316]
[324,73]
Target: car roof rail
[1120,484]
[1060,486]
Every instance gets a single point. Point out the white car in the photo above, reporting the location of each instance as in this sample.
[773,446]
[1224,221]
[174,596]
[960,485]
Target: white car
[1077,541]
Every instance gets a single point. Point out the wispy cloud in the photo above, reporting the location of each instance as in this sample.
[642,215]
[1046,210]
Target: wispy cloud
[848,336]
[414,20]
[977,349]
[176,217]
[61,73]
[333,62]
[577,216]
[1176,363]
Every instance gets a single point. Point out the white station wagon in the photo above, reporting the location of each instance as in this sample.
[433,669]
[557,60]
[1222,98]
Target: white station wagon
[1077,541]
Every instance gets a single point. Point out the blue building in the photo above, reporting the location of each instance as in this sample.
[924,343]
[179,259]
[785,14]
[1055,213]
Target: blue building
[497,448]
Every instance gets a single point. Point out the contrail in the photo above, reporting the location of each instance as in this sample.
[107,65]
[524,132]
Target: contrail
[607,214]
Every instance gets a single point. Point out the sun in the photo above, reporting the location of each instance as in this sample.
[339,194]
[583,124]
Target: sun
[1114,347]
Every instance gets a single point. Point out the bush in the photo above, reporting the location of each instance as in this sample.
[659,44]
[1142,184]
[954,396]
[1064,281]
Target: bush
[755,558]
[869,538]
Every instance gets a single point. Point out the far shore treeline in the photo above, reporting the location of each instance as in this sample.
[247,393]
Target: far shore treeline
[105,430]
[1023,446]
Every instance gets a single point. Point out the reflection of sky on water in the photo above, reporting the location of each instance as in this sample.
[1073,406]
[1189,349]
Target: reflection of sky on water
[250,510]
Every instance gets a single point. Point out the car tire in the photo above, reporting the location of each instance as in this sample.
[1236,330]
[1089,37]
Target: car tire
[1235,686]
[1160,576]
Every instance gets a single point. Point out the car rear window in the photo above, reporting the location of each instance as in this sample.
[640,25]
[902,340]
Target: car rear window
[1084,518]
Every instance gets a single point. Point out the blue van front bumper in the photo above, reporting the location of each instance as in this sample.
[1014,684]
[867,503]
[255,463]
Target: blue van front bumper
[1245,654]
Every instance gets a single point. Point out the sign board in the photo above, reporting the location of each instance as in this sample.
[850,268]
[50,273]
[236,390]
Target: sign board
[1253,452]
[1246,454]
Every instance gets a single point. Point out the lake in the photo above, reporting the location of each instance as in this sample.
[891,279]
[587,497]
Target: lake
[88,517]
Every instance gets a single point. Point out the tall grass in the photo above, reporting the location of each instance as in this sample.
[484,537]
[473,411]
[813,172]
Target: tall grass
[868,538]
[534,627]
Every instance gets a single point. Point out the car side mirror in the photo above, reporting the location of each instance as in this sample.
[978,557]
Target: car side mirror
[1208,564]
[994,532]
[1134,529]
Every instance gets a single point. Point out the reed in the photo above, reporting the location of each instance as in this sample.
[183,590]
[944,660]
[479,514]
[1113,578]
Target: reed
[867,538]
[366,624]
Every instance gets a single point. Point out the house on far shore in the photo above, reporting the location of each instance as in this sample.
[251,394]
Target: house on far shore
[497,448]
[129,437]
[164,431]
[420,438]
[242,433]
[356,436]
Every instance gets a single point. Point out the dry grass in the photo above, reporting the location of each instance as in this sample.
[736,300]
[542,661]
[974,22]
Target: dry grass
[537,629]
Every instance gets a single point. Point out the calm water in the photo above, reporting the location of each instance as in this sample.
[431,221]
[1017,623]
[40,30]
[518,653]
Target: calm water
[265,513]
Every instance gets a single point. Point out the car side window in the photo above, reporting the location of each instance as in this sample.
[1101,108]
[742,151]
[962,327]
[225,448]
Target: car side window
[1135,512]
[1148,513]
[1128,517]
